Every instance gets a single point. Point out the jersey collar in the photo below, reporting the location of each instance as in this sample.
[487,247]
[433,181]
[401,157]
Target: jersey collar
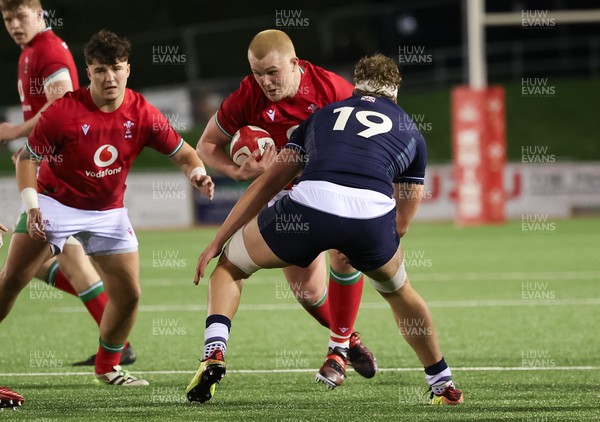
[39,34]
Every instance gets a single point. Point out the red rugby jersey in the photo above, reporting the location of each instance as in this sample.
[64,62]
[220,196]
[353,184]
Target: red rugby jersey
[248,105]
[41,58]
[90,152]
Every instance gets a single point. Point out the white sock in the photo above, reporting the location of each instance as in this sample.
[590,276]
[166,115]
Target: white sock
[215,337]
[337,341]
[439,381]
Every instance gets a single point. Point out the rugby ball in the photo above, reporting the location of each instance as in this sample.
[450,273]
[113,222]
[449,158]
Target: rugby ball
[247,140]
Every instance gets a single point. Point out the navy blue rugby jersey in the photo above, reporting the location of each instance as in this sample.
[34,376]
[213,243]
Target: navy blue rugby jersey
[361,142]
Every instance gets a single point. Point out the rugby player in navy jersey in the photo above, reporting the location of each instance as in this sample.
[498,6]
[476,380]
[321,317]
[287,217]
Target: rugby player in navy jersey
[361,183]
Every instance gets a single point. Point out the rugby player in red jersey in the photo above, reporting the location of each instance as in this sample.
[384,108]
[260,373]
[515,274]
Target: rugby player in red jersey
[282,92]
[361,205]
[90,138]
[46,72]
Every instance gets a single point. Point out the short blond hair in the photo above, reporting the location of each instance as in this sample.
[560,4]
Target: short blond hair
[380,72]
[271,40]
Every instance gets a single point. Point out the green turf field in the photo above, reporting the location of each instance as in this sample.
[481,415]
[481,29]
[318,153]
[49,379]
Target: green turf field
[517,313]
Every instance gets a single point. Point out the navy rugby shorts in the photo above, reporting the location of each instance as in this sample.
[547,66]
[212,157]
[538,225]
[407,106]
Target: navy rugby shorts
[298,234]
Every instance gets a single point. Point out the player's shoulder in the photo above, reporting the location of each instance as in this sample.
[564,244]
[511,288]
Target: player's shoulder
[136,97]
[248,88]
[327,83]
[312,69]
[48,49]
[140,106]
[352,101]
[71,99]
[67,108]
[137,100]
[247,95]
[321,73]
[47,41]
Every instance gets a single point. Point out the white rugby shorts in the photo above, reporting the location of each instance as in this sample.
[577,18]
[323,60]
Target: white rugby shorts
[99,232]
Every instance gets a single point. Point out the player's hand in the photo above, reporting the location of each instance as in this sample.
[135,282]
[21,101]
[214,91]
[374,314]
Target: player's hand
[35,224]
[251,168]
[3,229]
[212,251]
[204,184]
[8,132]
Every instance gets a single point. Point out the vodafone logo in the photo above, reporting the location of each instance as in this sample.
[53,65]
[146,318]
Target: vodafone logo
[105,155]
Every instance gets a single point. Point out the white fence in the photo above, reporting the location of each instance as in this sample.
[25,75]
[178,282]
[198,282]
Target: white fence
[555,190]
[153,200]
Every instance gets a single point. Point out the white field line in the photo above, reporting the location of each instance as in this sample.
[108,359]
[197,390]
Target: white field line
[292,370]
[268,278]
[292,306]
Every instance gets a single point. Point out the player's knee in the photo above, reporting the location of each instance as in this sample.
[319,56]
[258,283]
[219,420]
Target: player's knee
[308,286]
[392,285]
[237,256]
[126,299]
[134,294]
[233,270]
[308,297]
[130,300]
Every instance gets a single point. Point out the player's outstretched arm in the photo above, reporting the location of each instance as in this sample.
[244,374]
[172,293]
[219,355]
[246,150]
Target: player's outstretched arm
[189,163]
[285,169]
[53,91]
[27,181]
[408,197]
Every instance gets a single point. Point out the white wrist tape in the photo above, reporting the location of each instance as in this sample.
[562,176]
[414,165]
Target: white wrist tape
[198,170]
[29,197]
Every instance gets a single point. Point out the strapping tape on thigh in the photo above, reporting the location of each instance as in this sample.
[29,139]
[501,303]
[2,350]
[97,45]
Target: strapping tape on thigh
[237,254]
[392,285]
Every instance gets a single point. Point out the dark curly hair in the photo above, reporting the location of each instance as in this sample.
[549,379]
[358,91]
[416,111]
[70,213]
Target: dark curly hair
[106,47]
[380,71]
